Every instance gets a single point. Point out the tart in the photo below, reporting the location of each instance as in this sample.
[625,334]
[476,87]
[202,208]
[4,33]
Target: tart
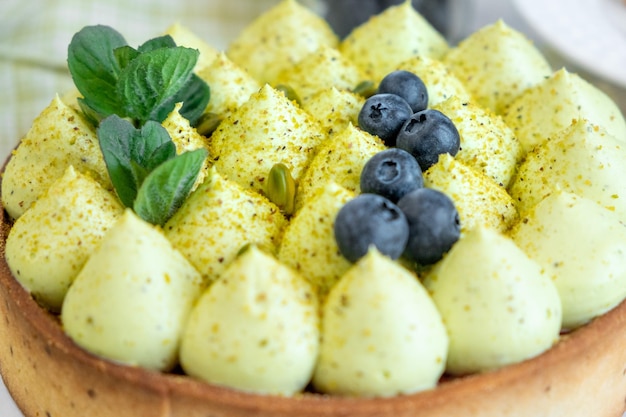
[47,374]
[513,182]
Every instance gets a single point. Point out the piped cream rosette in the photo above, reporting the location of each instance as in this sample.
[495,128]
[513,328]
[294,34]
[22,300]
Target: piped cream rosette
[49,244]
[131,300]
[255,329]
[382,334]
[498,306]
[582,247]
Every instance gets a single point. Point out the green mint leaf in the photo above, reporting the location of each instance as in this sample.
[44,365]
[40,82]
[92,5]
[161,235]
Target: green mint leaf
[153,146]
[94,68]
[124,55]
[139,174]
[165,189]
[131,154]
[90,114]
[161,154]
[195,97]
[165,41]
[152,79]
[115,136]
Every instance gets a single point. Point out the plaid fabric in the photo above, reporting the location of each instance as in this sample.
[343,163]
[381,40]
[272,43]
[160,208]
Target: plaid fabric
[34,35]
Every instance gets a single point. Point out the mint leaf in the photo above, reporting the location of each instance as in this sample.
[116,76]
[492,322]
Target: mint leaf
[161,154]
[150,81]
[138,175]
[165,41]
[166,188]
[94,68]
[152,146]
[123,55]
[131,154]
[90,114]
[149,148]
[195,96]
[115,136]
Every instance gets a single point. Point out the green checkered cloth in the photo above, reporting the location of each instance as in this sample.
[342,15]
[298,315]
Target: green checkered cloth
[34,35]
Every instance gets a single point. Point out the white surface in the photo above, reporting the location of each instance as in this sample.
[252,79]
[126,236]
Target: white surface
[7,405]
[590,33]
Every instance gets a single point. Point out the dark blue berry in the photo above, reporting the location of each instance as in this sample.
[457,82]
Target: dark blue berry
[367,220]
[428,134]
[383,115]
[434,224]
[391,173]
[408,86]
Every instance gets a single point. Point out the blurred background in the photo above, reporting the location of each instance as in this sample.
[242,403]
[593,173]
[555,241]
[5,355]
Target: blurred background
[580,34]
[586,36]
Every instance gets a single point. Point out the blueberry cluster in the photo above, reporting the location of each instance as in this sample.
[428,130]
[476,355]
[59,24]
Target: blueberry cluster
[423,225]
[394,212]
[398,114]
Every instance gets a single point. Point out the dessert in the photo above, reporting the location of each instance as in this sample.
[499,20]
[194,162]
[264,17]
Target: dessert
[236,298]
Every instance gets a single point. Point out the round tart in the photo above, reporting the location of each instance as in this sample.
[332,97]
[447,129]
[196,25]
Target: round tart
[584,374]
[508,257]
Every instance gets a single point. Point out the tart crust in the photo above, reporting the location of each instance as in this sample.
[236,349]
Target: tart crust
[48,375]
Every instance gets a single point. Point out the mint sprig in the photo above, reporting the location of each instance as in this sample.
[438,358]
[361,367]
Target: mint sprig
[143,166]
[127,93]
[139,84]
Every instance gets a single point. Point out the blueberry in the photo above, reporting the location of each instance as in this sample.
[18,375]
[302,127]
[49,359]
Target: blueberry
[428,134]
[408,86]
[391,173]
[383,115]
[370,219]
[434,224]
